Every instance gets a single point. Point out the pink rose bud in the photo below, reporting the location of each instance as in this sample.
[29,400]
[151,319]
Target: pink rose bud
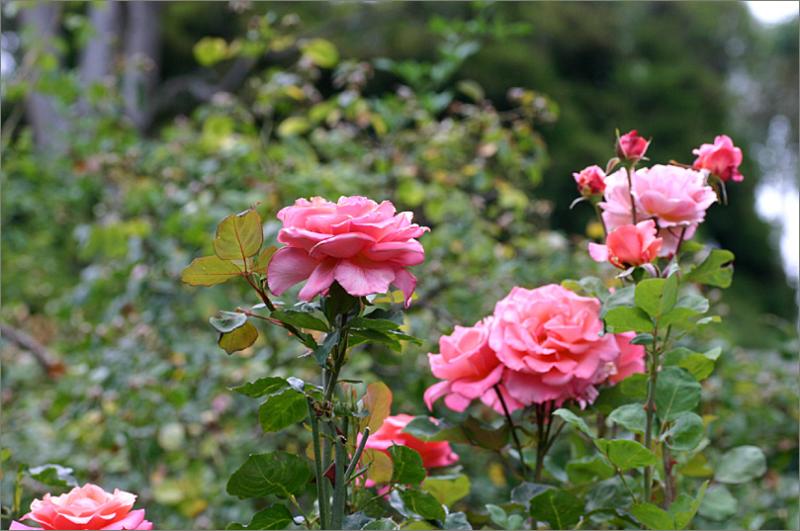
[629,245]
[631,147]
[591,180]
[363,245]
[87,507]
[721,158]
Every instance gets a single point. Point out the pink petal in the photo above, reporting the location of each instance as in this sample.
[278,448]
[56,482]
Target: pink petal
[435,392]
[320,280]
[404,280]
[17,525]
[131,521]
[457,402]
[342,246]
[407,253]
[287,267]
[364,279]
[599,253]
[297,237]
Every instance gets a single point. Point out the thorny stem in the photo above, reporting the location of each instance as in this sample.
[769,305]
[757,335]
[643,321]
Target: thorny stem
[323,502]
[650,409]
[513,429]
[544,422]
[629,173]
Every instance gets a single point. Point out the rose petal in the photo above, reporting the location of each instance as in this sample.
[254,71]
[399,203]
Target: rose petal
[287,267]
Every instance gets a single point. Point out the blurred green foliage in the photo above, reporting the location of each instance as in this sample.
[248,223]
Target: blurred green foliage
[95,238]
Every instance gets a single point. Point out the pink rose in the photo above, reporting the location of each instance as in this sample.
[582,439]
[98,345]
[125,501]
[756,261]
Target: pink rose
[675,198]
[549,338]
[632,147]
[87,507]
[362,245]
[470,370]
[721,158]
[591,180]
[631,358]
[629,245]
[434,454]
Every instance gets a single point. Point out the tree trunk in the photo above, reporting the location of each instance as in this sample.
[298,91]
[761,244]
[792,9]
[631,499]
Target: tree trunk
[142,43]
[97,60]
[49,126]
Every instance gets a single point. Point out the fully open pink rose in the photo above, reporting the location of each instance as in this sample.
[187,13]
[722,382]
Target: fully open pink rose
[550,340]
[675,198]
[362,245]
[470,370]
[631,146]
[590,180]
[630,360]
[721,158]
[434,454]
[87,507]
[629,245]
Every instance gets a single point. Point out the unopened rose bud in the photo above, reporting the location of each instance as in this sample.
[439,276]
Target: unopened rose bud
[631,147]
[721,158]
[591,180]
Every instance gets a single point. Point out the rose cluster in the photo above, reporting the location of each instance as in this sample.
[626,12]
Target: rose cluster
[540,345]
[648,212]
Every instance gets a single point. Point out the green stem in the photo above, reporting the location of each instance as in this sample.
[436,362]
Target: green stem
[513,428]
[321,499]
[340,486]
[544,421]
[650,409]
[600,218]
[357,454]
[629,173]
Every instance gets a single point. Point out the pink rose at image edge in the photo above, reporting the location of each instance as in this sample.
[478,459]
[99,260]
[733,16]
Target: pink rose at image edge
[362,245]
[434,454]
[590,180]
[721,158]
[469,369]
[629,245]
[631,146]
[87,507]
[549,338]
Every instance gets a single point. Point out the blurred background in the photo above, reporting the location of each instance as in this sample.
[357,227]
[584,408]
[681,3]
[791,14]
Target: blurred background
[130,129]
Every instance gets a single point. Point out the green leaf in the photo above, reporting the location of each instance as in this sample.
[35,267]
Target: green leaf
[686,432]
[238,339]
[574,420]
[676,391]
[649,296]
[239,236]
[382,325]
[588,469]
[631,417]
[447,489]
[557,507]
[718,504]
[498,515]
[282,410]
[226,321]
[685,507]
[457,521]
[652,517]
[378,402]
[422,504]
[642,339]
[700,366]
[276,473]
[382,524]
[293,126]
[626,319]
[715,270]
[362,335]
[621,297]
[208,271]
[635,386]
[262,387]
[210,50]
[423,429]
[53,475]
[407,464]
[625,454]
[300,319]
[489,438]
[740,465]
[324,349]
[273,517]
[320,52]
[261,262]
